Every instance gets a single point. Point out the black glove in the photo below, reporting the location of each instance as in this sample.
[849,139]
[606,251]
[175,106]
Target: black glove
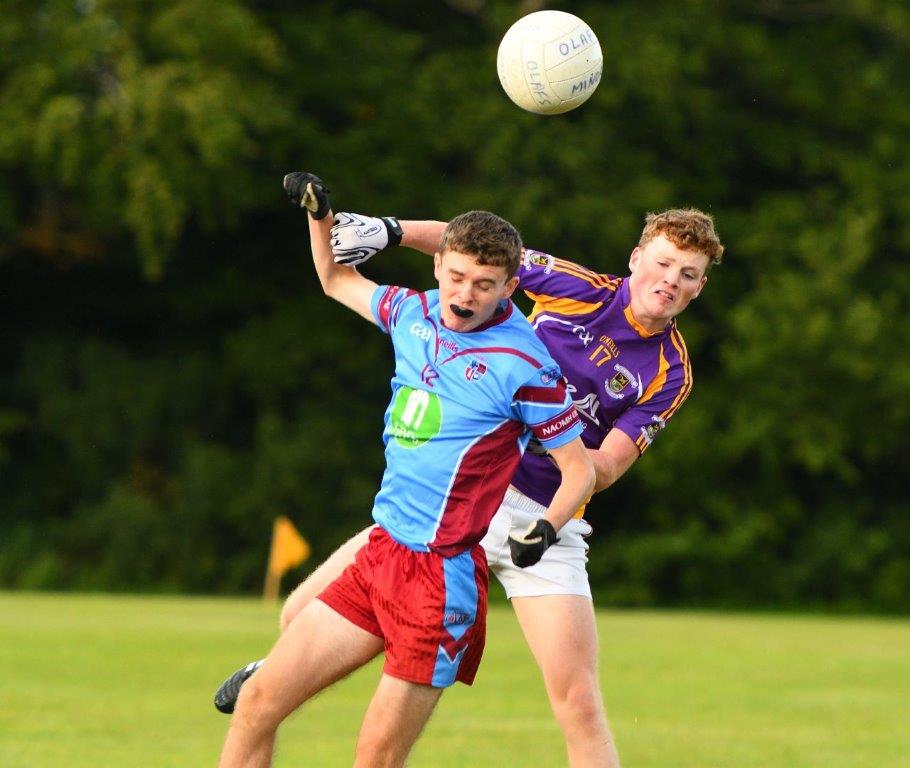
[306,190]
[527,548]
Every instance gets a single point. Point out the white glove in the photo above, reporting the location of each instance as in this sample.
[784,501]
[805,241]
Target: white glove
[356,238]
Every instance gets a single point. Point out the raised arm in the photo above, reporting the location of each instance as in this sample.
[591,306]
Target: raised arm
[423,236]
[356,238]
[341,283]
[344,284]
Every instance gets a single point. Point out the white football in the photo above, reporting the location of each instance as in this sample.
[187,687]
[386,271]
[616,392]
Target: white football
[549,62]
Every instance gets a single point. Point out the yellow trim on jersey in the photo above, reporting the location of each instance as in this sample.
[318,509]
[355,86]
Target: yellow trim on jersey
[677,339]
[589,276]
[560,305]
[680,345]
[657,383]
[636,326]
[580,512]
[565,305]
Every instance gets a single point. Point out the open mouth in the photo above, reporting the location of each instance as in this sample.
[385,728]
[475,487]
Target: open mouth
[665,295]
[461,311]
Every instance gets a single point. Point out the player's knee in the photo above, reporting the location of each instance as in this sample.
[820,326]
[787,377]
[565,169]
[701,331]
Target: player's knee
[579,705]
[257,708]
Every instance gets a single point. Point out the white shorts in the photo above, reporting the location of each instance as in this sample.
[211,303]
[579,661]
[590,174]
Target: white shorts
[561,570]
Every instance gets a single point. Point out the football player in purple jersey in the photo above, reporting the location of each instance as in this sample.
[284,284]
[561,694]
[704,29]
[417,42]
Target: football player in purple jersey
[628,369]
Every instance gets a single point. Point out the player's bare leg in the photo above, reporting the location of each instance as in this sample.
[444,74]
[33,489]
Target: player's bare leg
[311,587]
[318,648]
[562,635]
[324,575]
[396,716]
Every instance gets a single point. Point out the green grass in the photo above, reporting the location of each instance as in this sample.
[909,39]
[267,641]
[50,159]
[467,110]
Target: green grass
[127,681]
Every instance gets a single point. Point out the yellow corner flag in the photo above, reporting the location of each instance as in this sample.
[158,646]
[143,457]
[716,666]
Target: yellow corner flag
[288,550]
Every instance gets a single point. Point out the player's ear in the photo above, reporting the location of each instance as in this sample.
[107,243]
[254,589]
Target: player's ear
[634,258]
[437,265]
[701,284]
[511,285]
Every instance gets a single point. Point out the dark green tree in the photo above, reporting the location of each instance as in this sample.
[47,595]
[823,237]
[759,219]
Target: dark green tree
[172,377]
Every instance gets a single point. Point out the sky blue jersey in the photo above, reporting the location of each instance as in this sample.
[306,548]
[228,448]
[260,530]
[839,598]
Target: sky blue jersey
[463,408]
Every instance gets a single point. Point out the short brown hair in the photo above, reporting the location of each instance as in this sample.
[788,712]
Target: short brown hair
[487,237]
[687,228]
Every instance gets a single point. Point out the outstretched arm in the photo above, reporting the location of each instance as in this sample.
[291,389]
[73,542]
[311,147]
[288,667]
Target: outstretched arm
[423,236]
[357,238]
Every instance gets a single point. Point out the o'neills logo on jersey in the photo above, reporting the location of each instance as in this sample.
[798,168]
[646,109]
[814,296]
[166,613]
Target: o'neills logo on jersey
[385,305]
[588,406]
[475,370]
[556,425]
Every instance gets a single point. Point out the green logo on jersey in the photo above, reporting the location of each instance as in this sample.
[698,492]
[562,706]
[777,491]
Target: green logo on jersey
[416,417]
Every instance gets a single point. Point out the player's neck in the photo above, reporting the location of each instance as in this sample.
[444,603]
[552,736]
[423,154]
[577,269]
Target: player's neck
[643,325]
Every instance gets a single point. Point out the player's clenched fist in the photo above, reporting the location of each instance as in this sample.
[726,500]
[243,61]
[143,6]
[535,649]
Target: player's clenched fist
[356,238]
[527,548]
[307,190]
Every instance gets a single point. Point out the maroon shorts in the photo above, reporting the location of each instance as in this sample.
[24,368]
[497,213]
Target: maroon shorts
[430,610]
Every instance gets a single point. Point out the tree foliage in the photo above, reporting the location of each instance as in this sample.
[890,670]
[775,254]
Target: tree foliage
[173,378]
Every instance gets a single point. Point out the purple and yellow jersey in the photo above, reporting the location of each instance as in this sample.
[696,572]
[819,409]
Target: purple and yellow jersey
[463,408]
[620,376]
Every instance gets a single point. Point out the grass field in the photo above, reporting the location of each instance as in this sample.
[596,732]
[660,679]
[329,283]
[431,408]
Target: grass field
[88,681]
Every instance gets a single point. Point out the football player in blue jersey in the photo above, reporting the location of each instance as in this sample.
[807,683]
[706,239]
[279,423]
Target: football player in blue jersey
[472,384]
